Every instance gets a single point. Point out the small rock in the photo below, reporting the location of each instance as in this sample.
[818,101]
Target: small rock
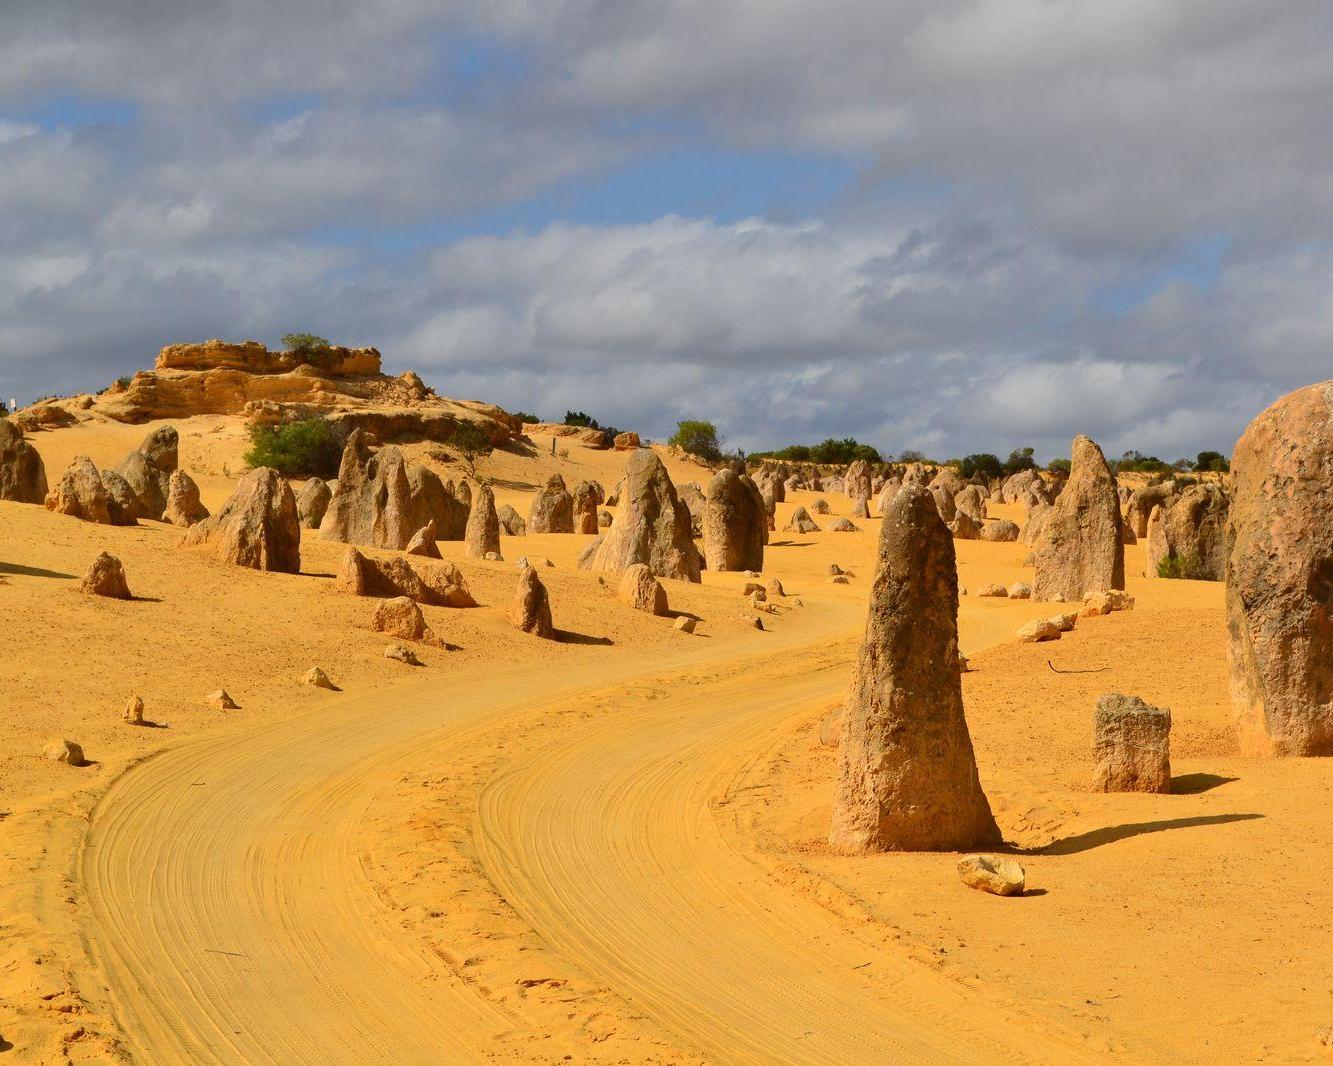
[492,557]
[843,525]
[962,663]
[66,751]
[402,653]
[992,589]
[106,577]
[684,624]
[133,713]
[754,621]
[1132,744]
[775,589]
[1038,630]
[992,873]
[317,677]
[753,589]
[1020,590]
[1100,603]
[1064,622]
[220,701]
[834,569]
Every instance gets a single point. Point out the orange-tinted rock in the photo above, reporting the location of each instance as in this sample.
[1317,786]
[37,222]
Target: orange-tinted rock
[652,526]
[1081,549]
[257,527]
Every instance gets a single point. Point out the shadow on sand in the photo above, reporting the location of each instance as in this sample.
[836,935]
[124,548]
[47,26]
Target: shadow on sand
[1097,837]
[31,571]
[1193,784]
[565,636]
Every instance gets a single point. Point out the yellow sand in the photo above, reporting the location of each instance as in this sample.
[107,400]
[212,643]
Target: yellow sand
[606,852]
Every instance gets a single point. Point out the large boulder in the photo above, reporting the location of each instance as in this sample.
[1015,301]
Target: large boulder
[588,496]
[121,501]
[184,508]
[907,777]
[531,609]
[1016,485]
[148,470]
[441,584]
[1191,534]
[374,502]
[640,589]
[482,536]
[312,503]
[971,501]
[106,577]
[80,493]
[552,508]
[258,527]
[1279,575]
[22,473]
[1132,745]
[438,501]
[401,617]
[1081,549]
[734,525]
[511,522]
[652,526]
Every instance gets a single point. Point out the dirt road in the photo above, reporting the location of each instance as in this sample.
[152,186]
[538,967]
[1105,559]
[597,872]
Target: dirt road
[232,921]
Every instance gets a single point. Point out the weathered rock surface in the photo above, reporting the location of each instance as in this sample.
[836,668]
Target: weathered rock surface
[907,776]
[80,493]
[148,470]
[652,526]
[374,504]
[733,525]
[22,473]
[402,653]
[588,496]
[856,483]
[1279,575]
[106,577]
[1191,534]
[313,502]
[1081,549]
[133,712]
[1132,745]
[1000,531]
[257,527]
[401,617]
[184,508]
[66,751]
[440,584]
[122,504]
[640,589]
[626,441]
[482,536]
[800,522]
[843,525]
[1038,630]
[552,508]
[995,874]
[531,609]
[964,527]
[1143,500]
[423,542]
[511,522]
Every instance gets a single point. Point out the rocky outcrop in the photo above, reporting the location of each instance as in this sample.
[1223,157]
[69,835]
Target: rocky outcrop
[482,536]
[552,509]
[121,501]
[440,584]
[907,777]
[734,524]
[312,503]
[184,508]
[652,526]
[80,493]
[1081,549]
[148,470]
[258,526]
[106,577]
[640,589]
[22,473]
[531,609]
[1131,743]
[1191,535]
[1279,577]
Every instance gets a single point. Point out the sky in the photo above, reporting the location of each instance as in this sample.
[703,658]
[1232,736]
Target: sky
[943,225]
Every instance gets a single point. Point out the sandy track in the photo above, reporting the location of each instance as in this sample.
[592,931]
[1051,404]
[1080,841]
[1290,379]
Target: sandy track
[231,919]
[616,846]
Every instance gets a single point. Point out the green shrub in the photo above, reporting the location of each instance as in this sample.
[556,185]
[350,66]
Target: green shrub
[1215,462]
[310,447]
[1059,466]
[983,463]
[578,418]
[304,342]
[124,381]
[470,441]
[697,438]
[1188,567]
[1019,459]
[525,416]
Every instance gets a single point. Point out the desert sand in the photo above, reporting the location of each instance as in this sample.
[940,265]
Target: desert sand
[608,848]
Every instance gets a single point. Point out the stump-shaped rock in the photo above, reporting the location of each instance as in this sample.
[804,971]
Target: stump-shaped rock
[531,609]
[257,527]
[1132,745]
[907,776]
[552,509]
[856,482]
[402,618]
[640,589]
[1081,549]
[106,577]
[734,524]
[184,508]
[148,470]
[80,493]
[588,496]
[22,473]
[652,526]
[313,502]
[423,542]
[1279,575]
[482,536]
[800,522]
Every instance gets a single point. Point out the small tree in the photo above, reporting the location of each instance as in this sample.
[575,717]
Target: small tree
[1019,459]
[1215,462]
[526,417]
[471,442]
[310,447]
[578,418]
[1060,466]
[698,438]
[911,455]
[304,342]
[989,466]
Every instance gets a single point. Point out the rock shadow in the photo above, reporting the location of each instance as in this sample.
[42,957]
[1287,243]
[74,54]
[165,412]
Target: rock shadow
[32,571]
[565,636]
[1097,837]
[1193,784]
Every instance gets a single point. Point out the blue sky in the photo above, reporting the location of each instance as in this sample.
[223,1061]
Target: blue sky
[965,226]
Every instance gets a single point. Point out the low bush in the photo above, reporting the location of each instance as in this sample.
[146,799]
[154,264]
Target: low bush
[1188,566]
[310,447]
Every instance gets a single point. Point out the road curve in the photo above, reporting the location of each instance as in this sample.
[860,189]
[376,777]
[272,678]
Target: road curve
[230,919]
